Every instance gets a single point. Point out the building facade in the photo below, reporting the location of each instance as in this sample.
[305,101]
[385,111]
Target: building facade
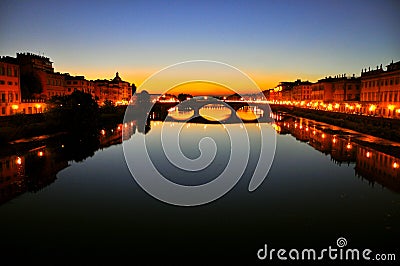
[10,91]
[116,90]
[380,91]
[302,91]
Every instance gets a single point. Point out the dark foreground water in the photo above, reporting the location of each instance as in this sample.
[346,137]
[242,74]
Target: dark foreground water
[62,205]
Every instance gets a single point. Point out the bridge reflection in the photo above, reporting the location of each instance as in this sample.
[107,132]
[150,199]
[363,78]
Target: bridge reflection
[371,164]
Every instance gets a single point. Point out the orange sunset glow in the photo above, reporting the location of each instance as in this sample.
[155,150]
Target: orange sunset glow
[201,88]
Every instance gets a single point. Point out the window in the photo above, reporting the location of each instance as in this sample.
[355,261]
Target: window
[3,97]
[386,82]
[15,72]
[2,82]
[69,89]
[10,97]
[16,96]
[3,110]
[391,81]
[2,72]
[75,82]
[16,83]
[9,83]
[9,71]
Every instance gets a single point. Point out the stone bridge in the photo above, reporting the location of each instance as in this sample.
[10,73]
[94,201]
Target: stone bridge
[197,103]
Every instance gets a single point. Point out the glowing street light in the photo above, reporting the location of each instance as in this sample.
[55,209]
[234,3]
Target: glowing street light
[372,107]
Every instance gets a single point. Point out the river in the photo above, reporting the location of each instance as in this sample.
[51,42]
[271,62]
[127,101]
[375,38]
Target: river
[65,199]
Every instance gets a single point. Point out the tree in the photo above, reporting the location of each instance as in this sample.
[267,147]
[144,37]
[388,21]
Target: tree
[30,85]
[133,88]
[77,112]
[183,97]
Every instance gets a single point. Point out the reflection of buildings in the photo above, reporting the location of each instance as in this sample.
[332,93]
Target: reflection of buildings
[370,164]
[113,136]
[378,167]
[29,172]
[37,168]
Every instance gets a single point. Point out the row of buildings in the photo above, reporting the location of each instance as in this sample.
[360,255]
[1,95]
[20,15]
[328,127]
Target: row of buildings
[375,92]
[28,80]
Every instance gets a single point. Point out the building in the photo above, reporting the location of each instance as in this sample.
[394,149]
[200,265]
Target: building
[346,89]
[323,90]
[116,90]
[301,91]
[78,83]
[380,91]
[10,91]
[124,89]
[40,68]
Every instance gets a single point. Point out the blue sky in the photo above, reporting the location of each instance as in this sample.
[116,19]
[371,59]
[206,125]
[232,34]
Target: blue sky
[269,40]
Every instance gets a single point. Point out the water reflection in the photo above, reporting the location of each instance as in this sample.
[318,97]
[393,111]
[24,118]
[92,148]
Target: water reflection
[215,112]
[32,166]
[370,164]
[249,113]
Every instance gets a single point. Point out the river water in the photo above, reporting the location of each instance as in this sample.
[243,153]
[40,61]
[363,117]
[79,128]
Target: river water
[65,199]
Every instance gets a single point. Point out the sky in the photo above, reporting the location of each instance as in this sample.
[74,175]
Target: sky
[271,41]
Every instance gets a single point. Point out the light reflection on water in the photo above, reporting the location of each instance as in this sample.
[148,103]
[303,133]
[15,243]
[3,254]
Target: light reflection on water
[317,190]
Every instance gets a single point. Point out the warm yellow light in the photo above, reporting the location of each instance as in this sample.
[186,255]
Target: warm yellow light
[372,107]
[348,146]
[337,106]
[368,154]
[40,154]
[395,165]
[358,105]
[103,132]
[323,136]
[314,132]
[398,111]
[307,129]
[38,106]
[391,107]
[334,140]
[351,107]
[18,161]
[14,106]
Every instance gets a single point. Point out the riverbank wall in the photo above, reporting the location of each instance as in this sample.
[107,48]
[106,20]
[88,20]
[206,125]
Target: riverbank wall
[386,128]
